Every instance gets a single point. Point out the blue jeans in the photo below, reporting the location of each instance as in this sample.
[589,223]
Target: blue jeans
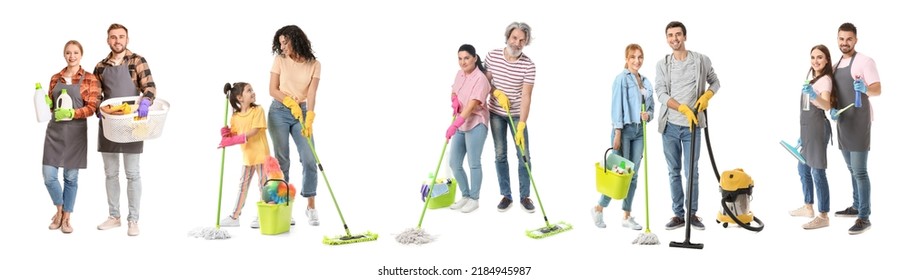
[632,149]
[857,162]
[112,183]
[468,143]
[281,125]
[66,196]
[498,125]
[676,147]
[819,176]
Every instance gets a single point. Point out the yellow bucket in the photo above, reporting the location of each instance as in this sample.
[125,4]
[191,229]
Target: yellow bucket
[611,183]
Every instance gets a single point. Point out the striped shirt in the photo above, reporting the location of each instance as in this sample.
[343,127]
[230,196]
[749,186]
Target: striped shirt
[138,71]
[509,77]
[89,89]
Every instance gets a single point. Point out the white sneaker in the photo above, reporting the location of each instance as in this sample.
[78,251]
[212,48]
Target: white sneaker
[804,211]
[110,223]
[229,222]
[133,228]
[470,205]
[254,223]
[597,218]
[460,203]
[630,223]
[313,216]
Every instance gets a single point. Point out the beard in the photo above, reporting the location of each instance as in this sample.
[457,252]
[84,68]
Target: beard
[845,48]
[512,52]
[114,49]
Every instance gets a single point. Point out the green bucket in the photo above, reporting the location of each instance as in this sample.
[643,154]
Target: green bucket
[444,200]
[274,218]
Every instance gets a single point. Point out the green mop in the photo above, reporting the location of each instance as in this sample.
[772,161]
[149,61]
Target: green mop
[418,235]
[549,229]
[646,237]
[216,232]
[347,238]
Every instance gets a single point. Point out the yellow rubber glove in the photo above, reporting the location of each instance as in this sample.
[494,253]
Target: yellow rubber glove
[502,98]
[293,106]
[519,137]
[307,127]
[692,119]
[121,109]
[701,104]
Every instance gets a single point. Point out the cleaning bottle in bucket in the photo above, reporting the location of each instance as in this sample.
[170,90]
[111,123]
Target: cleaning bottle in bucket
[64,102]
[42,104]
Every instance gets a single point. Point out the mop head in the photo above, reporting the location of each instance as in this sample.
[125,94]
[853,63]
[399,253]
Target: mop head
[348,239]
[646,238]
[542,232]
[416,236]
[210,233]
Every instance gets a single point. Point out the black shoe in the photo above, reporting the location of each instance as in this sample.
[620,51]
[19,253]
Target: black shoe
[675,223]
[504,204]
[849,212]
[696,222]
[861,225]
[528,204]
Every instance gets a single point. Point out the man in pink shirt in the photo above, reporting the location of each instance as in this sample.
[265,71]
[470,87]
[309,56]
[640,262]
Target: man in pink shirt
[856,79]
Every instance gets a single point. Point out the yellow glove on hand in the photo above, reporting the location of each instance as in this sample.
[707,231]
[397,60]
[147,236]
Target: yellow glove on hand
[293,106]
[519,137]
[692,119]
[307,128]
[502,99]
[701,104]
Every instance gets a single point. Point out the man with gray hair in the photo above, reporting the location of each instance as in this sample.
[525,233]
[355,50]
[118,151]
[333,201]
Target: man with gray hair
[512,74]
[680,86]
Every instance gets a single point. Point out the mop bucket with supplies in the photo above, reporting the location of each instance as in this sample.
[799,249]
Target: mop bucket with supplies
[125,126]
[736,187]
[614,179]
[276,207]
[443,192]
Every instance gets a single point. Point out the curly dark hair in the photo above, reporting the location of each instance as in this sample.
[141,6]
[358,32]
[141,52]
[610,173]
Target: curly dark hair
[298,41]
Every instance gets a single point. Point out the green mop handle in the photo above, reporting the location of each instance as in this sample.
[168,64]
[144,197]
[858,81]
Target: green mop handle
[434,177]
[529,174]
[221,182]
[324,177]
[646,185]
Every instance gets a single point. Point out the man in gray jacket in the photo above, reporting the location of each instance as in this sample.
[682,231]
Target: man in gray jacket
[681,85]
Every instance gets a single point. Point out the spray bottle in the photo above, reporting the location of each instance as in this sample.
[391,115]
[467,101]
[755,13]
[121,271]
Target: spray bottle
[42,104]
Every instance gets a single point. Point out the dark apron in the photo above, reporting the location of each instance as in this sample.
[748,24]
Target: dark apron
[117,83]
[853,127]
[815,132]
[66,142]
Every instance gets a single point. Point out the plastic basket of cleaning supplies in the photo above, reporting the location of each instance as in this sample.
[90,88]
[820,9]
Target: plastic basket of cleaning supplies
[614,181]
[127,128]
[443,193]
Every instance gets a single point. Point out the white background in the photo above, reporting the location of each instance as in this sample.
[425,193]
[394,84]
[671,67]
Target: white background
[382,111]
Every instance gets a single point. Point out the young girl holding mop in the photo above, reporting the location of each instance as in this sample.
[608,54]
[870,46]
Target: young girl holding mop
[247,128]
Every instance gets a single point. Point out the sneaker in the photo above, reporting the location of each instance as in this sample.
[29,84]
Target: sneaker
[504,204]
[804,211]
[861,225]
[849,212]
[470,205]
[696,222]
[313,216]
[817,223]
[597,218]
[255,222]
[630,223]
[675,223]
[528,204]
[229,222]
[56,221]
[460,203]
[133,228]
[110,223]
[65,227]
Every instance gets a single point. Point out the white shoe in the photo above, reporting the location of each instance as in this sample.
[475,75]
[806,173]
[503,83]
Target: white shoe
[254,223]
[460,203]
[804,211]
[470,205]
[630,223]
[229,222]
[110,223]
[133,228]
[597,218]
[313,216]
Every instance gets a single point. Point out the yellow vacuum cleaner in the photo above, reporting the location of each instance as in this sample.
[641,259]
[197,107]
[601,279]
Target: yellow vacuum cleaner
[736,187]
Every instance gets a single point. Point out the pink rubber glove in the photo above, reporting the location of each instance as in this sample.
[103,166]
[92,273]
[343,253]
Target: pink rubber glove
[455,105]
[225,132]
[454,127]
[232,140]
